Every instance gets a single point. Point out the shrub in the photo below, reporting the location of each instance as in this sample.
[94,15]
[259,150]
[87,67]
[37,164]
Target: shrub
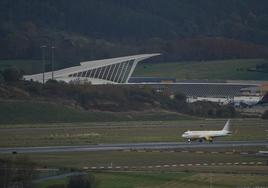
[265,115]
[82,181]
[57,186]
[16,172]
[2,79]
[12,75]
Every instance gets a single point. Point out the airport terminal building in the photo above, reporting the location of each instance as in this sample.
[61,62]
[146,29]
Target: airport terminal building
[107,71]
[119,71]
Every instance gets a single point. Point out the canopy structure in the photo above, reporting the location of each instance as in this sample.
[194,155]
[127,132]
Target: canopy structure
[106,71]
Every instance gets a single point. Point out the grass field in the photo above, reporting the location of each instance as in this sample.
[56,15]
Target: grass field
[55,182]
[140,159]
[212,70]
[145,131]
[186,180]
[172,180]
[122,132]
[21,112]
[188,176]
[144,176]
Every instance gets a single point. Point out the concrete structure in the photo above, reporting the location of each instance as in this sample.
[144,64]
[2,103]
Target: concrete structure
[107,71]
[119,71]
[220,100]
[204,89]
[222,93]
[146,80]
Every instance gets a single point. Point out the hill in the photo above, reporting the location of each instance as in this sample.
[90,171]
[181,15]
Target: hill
[24,101]
[94,29]
[25,111]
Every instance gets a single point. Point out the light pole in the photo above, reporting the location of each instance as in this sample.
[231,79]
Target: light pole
[43,61]
[52,61]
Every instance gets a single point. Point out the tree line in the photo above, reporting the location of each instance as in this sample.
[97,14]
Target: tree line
[113,98]
[17,172]
[94,29]
[242,19]
[20,172]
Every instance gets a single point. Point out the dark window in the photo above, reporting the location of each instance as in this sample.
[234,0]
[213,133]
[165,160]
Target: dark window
[118,72]
[102,72]
[128,69]
[97,72]
[106,71]
[93,73]
[88,73]
[84,74]
[111,70]
[114,71]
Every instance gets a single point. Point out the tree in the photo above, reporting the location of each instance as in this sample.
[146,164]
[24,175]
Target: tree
[24,172]
[265,115]
[82,181]
[180,97]
[1,77]
[16,172]
[5,173]
[57,186]
[12,75]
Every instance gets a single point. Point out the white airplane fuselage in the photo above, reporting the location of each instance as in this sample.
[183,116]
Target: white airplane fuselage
[207,135]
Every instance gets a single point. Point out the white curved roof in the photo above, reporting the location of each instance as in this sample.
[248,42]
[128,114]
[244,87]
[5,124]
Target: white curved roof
[98,63]
[104,62]
[88,65]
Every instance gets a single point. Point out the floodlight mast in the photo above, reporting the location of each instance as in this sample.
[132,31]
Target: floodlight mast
[43,61]
[52,61]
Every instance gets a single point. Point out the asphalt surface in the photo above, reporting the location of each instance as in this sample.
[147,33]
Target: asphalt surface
[134,146]
[61,176]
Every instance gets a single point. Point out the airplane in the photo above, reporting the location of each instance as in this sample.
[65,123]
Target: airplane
[207,135]
[250,101]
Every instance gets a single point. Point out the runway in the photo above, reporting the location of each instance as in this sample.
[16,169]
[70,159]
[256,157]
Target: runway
[134,146]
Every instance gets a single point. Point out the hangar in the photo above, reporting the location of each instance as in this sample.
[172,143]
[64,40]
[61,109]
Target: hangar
[107,71]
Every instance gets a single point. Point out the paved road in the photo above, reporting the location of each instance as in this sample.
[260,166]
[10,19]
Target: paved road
[133,146]
[61,176]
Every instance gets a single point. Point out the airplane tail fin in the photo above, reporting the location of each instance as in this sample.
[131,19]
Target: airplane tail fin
[264,99]
[227,126]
